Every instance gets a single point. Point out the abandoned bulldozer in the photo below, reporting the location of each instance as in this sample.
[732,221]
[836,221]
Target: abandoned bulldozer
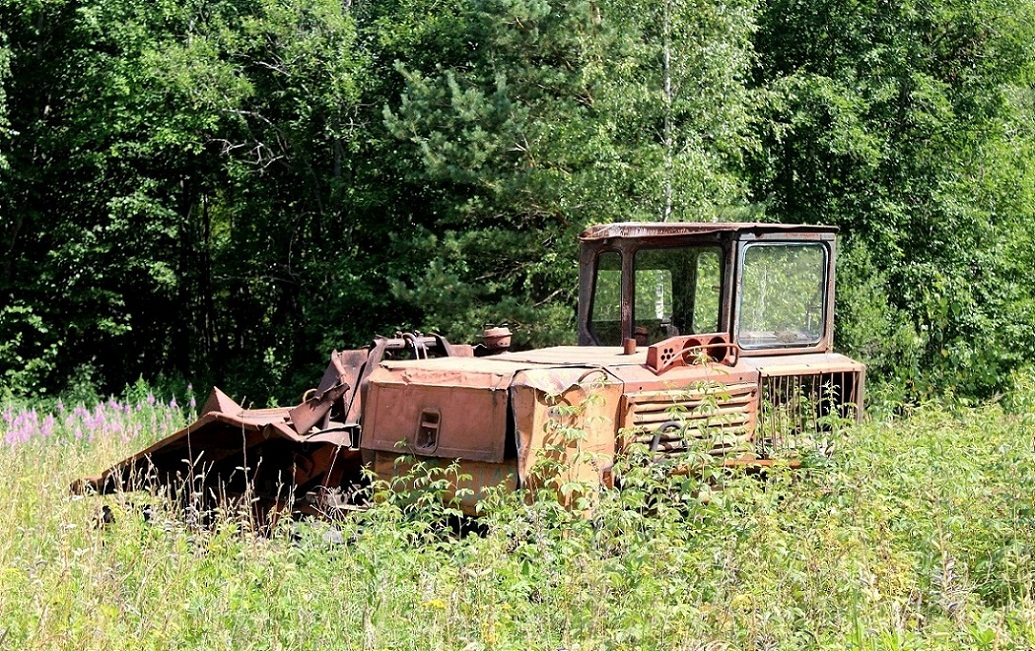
[692,336]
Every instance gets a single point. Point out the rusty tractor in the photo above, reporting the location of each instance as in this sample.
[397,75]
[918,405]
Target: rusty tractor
[691,336]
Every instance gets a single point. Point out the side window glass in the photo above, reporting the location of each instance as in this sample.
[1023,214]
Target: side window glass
[782,295]
[653,295]
[707,291]
[678,291]
[606,319]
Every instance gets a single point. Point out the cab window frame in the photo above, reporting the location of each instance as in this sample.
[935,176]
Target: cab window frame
[627,256]
[680,326]
[779,343]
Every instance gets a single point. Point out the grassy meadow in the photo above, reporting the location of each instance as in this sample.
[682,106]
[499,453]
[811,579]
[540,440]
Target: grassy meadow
[917,534]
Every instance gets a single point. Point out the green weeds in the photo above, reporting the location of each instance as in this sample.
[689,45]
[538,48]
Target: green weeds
[917,534]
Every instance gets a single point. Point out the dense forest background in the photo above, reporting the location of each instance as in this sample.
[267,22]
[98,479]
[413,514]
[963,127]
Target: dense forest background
[224,190]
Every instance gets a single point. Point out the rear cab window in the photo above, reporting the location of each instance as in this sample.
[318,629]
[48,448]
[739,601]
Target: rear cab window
[606,313]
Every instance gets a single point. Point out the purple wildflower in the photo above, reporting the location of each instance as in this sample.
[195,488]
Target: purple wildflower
[47,428]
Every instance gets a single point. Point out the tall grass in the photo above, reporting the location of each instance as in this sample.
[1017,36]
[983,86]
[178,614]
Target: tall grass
[917,534]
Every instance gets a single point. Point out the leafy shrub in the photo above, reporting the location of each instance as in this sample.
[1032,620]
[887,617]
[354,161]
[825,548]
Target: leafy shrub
[916,533]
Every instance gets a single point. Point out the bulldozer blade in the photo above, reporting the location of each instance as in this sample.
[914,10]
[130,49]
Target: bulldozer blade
[264,453]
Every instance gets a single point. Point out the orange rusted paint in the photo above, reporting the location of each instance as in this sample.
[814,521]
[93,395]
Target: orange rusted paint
[717,377]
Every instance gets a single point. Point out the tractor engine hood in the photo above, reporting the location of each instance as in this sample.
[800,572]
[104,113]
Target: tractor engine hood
[495,410]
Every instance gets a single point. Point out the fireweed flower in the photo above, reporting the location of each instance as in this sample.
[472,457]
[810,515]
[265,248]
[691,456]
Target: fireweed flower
[47,428]
[108,420]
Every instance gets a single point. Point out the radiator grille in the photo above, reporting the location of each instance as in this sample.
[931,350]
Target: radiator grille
[715,418]
[803,411]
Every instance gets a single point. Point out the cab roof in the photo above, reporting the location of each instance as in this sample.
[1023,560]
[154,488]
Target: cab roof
[683,229]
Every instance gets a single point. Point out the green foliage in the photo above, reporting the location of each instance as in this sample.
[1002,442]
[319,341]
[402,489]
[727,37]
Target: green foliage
[917,533]
[180,128]
[22,352]
[563,114]
[900,123]
[5,125]
[224,190]
[492,276]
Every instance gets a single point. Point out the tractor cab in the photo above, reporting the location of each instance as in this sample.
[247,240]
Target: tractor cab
[768,287]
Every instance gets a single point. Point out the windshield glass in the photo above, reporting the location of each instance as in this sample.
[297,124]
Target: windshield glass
[782,295]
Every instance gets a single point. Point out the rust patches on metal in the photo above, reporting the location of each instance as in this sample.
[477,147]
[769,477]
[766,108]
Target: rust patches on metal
[691,349]
[510,418]
[643,231]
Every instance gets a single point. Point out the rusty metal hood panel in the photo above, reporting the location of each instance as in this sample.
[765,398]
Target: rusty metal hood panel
[608,356]
[455,408]
[641,378]
[446,407]
[803,364]
[548,369]
[449,371]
